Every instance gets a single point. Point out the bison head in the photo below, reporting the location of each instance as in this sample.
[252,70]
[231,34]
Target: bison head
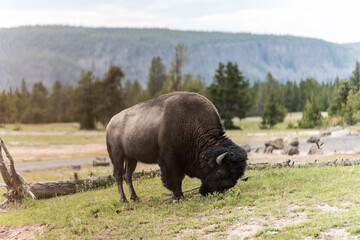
[226,165]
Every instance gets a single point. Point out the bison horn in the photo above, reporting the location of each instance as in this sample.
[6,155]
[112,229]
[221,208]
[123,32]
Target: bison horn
[220,158]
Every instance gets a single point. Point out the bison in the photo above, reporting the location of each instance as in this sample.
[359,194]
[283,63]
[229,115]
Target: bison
[183,133]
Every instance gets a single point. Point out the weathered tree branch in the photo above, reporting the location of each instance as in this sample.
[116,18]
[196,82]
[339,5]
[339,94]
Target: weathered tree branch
[18,187]
[4,169]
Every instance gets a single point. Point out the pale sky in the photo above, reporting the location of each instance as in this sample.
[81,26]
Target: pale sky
[332,20]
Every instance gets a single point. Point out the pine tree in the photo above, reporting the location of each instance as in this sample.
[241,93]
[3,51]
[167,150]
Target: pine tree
[180,57]
[351,111]
[355,78]
[60,104]
[57,102]
[68,106]
[157,76]
[230,93]
[12,108]
[109,99]
[21,101]
[289,96]
[132,92]
[253,92]
[273,112]
[311,115]
[193,83]
[84,100]
[4,107]
[338,104]
[264,90]
[36,111]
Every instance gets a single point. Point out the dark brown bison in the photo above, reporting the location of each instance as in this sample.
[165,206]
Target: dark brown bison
[183,133]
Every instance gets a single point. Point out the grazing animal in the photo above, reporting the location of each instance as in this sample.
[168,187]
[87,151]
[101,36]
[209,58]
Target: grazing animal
[183,133]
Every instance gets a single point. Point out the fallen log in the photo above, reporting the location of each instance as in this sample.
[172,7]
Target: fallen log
[66,187]
[58,188]
[100,164]
[151,173]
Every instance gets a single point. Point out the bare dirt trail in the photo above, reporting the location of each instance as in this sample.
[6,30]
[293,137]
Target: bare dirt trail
[55,151]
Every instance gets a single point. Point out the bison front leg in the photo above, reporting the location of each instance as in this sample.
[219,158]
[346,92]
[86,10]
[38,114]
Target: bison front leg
[130,166]
[172,176]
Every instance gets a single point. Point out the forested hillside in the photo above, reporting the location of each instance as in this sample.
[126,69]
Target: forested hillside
[50,53]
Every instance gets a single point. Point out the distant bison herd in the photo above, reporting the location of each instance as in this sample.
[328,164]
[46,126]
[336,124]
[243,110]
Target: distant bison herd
[183,133]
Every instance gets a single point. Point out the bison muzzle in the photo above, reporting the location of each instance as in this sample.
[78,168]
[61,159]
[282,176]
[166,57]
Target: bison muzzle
[183,133]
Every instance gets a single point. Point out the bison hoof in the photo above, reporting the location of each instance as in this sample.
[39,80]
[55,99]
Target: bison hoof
[136,199]
[123,200]
[176,201]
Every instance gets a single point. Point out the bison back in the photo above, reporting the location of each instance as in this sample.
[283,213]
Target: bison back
[172,122]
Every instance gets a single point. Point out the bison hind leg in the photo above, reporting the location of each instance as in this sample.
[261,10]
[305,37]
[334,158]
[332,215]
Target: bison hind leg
[130,166]
[117,159]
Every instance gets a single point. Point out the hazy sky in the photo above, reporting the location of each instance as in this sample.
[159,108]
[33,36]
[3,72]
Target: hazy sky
[331,20]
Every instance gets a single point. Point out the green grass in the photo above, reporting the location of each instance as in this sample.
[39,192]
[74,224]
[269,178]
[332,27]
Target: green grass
[55,139]
[267,198]
[289,203]
[50,133]
[44,127]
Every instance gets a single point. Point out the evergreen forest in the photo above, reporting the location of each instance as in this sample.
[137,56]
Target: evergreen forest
[95,99]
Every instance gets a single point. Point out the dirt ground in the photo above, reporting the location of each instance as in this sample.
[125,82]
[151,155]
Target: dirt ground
[22,232]
[248,229]
[54,152]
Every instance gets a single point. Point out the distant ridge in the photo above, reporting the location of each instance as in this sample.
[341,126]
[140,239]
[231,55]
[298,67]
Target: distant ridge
[48,53]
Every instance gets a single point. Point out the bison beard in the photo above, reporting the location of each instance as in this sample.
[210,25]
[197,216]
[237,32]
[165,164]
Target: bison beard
[183,133]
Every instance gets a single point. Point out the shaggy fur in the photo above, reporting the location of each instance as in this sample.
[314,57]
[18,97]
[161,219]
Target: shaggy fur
[183,133]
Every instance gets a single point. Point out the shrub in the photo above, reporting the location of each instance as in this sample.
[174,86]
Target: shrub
[311,116]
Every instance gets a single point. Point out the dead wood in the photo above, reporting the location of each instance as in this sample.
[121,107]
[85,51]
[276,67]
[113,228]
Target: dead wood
[97,163]
[58,188]
[150,173]
[17,186]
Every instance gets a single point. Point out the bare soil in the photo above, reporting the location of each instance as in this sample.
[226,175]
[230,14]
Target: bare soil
[248,229]
[53,152]
[22,232]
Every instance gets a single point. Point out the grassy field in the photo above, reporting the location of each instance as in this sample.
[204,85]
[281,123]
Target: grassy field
[52,133]
[274,203]
[289,203]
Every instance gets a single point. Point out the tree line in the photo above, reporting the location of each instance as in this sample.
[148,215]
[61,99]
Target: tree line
[95,100]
